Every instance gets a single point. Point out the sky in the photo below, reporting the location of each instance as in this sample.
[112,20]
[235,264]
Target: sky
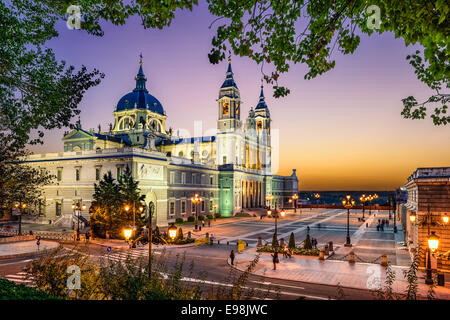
[341,131]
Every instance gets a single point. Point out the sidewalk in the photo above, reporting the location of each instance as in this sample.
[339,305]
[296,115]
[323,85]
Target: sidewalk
[332,272]
[25,248]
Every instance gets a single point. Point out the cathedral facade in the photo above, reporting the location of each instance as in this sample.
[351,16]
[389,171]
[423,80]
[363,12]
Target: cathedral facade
[230,170]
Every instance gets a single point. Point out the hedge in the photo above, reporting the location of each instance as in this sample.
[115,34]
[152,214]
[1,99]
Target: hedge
[297,251]
[12,291]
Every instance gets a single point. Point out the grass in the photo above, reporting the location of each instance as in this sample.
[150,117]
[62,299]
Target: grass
[12,291]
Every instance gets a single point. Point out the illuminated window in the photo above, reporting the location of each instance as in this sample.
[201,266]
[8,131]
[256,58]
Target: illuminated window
[259,125]
[226,108]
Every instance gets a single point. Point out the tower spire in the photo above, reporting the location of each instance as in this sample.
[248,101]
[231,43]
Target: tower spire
[140,77]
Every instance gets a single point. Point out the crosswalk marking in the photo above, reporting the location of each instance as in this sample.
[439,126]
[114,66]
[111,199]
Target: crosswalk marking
[19,277]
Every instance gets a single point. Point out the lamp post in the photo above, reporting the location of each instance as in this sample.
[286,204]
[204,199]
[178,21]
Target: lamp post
[172,232]
[20,207]
[363,199]
[370,198]
[276,215]
[395,214]
[317,196]
[295,197]
[348,203]
[77,207]
[151,208]
[127,208]
[196,200]
[269,198]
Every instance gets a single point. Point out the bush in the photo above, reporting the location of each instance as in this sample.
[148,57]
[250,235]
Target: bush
[210,216]
[201,218]
[307,244]
[11,291]
[179,234]
[179,220]
[217,215]
[191,219]
[274,240]
[297,251]
[243,214]
[291,244]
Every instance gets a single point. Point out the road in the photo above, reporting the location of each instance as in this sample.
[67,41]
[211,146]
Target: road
[213,262]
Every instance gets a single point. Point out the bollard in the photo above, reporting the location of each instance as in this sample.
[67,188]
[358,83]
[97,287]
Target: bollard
[321,255]
[228,243]
[189,234]
[384,261]
[199,228]
[218,241]
[207,235]
[326,250]
[351,257]
[259,242]
[330,246]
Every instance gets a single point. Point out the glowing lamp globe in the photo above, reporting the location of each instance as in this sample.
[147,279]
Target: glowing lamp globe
[412,217]
[172,231]
[127,233]
[433,241]
[283,213]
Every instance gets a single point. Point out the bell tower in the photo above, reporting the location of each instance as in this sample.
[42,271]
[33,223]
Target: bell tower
[229,104]
[229,125]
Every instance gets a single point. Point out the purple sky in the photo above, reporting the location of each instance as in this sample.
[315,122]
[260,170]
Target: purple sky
[341,131]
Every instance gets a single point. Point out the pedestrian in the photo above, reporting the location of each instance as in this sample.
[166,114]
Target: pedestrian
[203,223]
[378,227]
[232,257]
[209,223]
[307,229]
[275,259]
[86,237]
[382,227]
[285,251]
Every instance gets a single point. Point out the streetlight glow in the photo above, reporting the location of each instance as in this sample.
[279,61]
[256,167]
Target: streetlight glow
[433,241]
[445,219]
[127,233]
[283,213]
[172,231]
[412,217]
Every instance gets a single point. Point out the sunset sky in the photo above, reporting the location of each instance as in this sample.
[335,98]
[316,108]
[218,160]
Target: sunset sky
[341,131]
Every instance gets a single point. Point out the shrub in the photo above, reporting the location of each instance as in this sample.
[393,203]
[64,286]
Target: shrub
[201,218]
[274,240]
[291,243]
[191,219]
[11,291]
[179,220]
[179,234]
[210,216]
[217,215]
[307,244]
[296,251]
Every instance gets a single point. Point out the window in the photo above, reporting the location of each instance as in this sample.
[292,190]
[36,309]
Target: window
[59,174]
[172,177]
[58,208]
[119,171]
[180,154]
[211,179]
[193,178]
[183,207]
[224,159]
[171,208]
[210,205]
[226,108]
[77,174]
[203,206]
[192,208]
[97,173]
[183,178]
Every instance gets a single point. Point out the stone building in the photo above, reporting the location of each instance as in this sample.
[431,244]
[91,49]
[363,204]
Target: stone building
[231,170]
[428,200]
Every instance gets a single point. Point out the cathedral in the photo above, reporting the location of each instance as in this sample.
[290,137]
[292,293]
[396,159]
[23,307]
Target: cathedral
[230,170]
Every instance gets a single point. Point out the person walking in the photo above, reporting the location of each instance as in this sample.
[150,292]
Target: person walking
[232,257]
[275,259]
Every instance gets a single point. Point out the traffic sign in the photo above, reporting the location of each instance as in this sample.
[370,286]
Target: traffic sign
[108,249]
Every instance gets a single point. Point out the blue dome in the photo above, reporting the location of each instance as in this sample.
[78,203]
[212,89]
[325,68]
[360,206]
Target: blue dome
[142,100]
[139,98]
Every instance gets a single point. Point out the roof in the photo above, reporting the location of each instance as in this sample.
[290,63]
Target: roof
[229,80]
[139,98]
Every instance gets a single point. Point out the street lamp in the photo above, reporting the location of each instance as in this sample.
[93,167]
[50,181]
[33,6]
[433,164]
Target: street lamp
[412,217]
[363,199]
[276,215]
[445,219]
[20,208]
[348,203]
[196,200]
[283,213]
[127,233]
[295,197]
[172,231]
[77,207]
[317,196]
[269,198]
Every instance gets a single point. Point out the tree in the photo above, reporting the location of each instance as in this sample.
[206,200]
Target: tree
[36,91]
[179,234]
[108,212]
[19,183]
[291,243]
[282,33]
[274,241]
[307,244]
